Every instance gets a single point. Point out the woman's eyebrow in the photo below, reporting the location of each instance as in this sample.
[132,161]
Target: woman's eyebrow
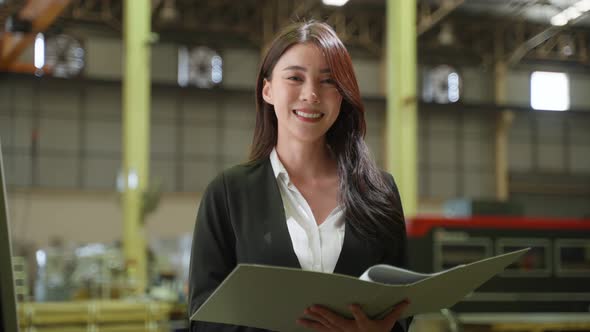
[295,67]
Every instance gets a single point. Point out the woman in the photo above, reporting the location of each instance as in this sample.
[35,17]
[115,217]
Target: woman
[310,197]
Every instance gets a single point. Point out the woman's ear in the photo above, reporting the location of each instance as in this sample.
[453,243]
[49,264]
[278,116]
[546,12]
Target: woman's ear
[267,92]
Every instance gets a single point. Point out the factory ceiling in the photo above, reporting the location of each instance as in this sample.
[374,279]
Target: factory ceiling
[463,31]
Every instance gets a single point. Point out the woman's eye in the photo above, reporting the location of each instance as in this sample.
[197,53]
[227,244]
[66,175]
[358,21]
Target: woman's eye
[294,78]
[329,81]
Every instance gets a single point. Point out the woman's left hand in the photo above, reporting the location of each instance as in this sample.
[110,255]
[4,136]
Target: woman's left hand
[326,320]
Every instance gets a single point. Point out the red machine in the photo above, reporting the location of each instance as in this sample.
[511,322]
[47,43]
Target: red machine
[554,276]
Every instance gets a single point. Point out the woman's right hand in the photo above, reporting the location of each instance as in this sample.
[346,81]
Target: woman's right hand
[325,320]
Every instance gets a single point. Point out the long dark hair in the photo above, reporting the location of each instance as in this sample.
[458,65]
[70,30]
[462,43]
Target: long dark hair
[372,206]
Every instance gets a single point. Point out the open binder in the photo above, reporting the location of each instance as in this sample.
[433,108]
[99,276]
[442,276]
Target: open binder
[273,297]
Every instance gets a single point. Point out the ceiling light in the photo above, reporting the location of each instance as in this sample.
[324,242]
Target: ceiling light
[334,2]
[39,51]
[572,13]
[446,35]
[583,5]
[168,12]
[559,20]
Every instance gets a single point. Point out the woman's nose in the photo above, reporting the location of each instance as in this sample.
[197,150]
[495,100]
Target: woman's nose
[309,94]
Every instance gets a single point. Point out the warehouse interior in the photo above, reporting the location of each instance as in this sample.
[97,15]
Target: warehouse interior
[494,155]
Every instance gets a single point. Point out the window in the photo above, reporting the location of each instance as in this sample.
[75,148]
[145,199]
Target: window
[550,91]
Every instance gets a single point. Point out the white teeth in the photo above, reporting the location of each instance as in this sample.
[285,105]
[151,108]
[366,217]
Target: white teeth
[308,115]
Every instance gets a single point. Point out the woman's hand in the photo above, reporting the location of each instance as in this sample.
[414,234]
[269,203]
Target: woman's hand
[325,320]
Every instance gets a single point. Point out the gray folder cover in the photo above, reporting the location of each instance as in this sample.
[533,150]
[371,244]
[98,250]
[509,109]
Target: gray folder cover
[273,298]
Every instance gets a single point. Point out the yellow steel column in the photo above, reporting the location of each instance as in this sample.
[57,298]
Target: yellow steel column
[401,123]
[503,123]
[136,117]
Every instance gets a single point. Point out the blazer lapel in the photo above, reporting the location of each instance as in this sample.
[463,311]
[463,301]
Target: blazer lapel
[356,255]
[277,233]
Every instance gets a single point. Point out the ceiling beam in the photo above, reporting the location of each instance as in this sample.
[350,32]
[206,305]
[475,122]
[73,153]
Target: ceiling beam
[427,20]
[26,68]
[523,49]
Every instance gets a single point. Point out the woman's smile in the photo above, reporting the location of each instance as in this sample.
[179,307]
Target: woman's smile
[307,115]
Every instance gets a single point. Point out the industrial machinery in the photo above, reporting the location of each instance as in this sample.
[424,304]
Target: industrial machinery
[552,277]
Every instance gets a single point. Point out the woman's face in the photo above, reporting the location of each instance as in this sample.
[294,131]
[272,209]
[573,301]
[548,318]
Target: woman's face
[305,97]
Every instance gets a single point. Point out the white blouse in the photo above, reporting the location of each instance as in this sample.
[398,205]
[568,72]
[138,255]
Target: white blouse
[316,247]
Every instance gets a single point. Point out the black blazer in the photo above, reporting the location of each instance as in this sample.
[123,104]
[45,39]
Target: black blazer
[241,219]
